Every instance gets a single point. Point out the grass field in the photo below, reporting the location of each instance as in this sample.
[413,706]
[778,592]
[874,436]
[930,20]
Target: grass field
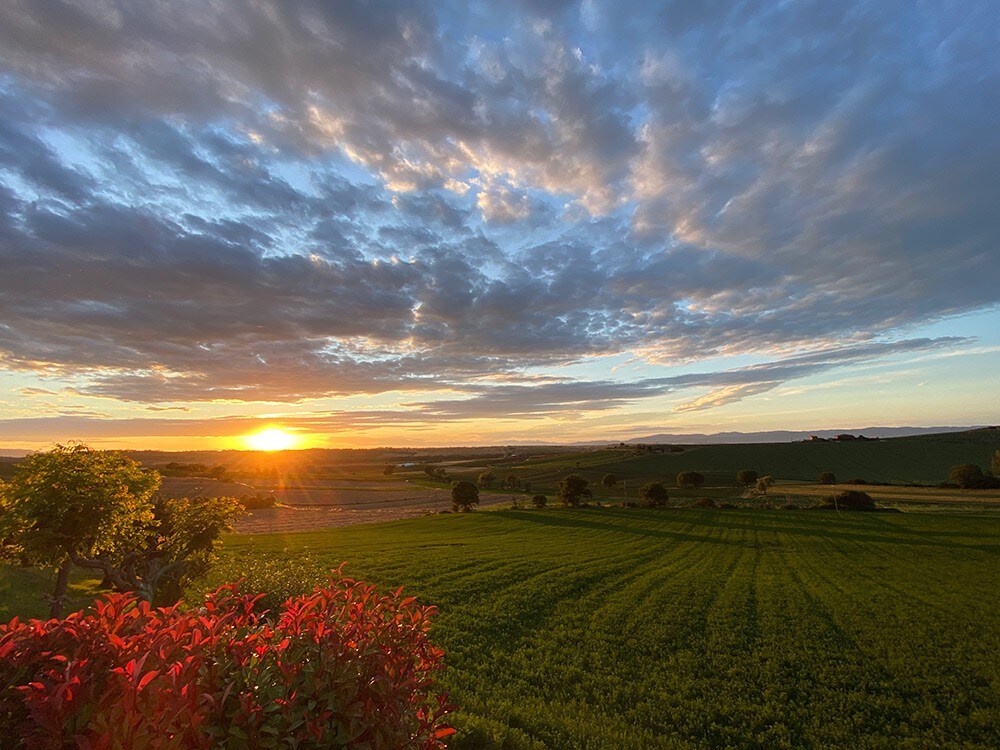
[606,628]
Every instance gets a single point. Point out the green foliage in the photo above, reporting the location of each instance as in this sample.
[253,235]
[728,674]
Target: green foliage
[967,476]
[487,479]
[464,496]
[539,501]
[827,477]
[608,481]
[746,477]
[278,577]
[653,495]
[573,489]
[76,501]
[690,479]
[512,481]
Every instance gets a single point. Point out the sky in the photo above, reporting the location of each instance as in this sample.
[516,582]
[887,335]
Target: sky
[452,223]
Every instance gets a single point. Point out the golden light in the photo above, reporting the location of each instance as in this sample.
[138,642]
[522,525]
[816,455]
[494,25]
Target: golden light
[272,439]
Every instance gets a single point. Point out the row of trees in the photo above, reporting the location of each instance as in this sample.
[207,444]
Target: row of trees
[73,506]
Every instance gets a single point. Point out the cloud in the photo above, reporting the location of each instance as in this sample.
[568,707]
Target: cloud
[249,202]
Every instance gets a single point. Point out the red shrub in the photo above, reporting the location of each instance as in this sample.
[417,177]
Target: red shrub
[344,666]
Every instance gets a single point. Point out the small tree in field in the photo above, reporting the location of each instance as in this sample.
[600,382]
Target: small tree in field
[540,501]
[572,489]
[967,476]
[746,477]
[74,503]
[764,484]
[487,479]
[653,495]
[690,479]
[827,477]
[464,496]
[608,481]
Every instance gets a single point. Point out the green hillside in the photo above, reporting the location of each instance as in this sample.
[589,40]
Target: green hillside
[923,459]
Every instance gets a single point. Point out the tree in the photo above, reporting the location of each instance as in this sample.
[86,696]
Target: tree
[74,503]
[540,501]
[967,476]
[389,470]
[572,489]
[653,495]
[763,484]
[608,481]
[464,495]
[487,478]
[827,477]
[176,548]
[441,474]
[690,479]
[746,477]
[512,481]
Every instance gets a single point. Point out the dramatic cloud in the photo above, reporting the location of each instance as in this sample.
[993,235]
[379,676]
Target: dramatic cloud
[272,202]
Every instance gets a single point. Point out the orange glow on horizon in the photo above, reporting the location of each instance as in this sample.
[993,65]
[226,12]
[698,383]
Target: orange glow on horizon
[272,439]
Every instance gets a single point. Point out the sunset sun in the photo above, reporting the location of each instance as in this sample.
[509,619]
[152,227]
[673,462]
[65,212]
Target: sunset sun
[271,439]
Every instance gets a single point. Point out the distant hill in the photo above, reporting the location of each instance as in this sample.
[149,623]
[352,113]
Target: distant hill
[790,436]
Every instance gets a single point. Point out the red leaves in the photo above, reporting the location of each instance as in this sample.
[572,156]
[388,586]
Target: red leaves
[343,666]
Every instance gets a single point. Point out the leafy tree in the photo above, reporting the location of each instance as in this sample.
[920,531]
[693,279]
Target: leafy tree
[764,484]
[177,547]
[430,471]
[74,503]
[608,481]
[441,474]
[827,477]
[512,481]
[487,479]
[690,479]
[967,476]
[464,495]
[746,477]
[653,495]
[572,489]
[540,501]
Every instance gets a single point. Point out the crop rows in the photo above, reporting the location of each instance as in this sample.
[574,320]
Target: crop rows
[604,628]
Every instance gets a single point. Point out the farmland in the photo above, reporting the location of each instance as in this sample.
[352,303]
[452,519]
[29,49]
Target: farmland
[610,627]
[676,627]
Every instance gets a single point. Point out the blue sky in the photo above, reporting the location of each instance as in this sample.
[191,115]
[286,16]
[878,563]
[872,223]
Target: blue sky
[442,223]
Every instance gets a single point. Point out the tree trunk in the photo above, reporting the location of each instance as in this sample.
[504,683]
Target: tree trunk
[62,586]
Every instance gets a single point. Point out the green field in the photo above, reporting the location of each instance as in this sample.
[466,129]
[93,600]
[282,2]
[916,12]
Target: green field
[607,628]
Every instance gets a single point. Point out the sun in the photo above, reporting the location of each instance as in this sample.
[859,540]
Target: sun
[271,439]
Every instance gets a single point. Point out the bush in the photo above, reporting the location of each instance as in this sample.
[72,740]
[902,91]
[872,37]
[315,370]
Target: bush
[690,479]
[827,477]
[540,501]
[705,502]
[857,481]
[653,495]
[849,500]
[967,476]
[258,501]
[344,666]
[746,477]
